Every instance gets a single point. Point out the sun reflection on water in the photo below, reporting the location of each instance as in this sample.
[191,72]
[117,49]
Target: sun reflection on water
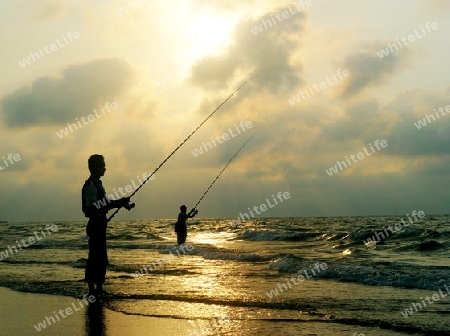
[211,238]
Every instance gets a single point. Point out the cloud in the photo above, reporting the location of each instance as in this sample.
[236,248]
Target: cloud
[367,68]
[55,101]
[410,150]
[430,140]
[361,120]
[266,54]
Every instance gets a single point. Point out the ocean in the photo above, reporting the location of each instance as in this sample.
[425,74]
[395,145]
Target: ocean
[268,276]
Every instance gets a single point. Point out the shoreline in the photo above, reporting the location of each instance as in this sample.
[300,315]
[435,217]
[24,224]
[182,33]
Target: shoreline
[21,311]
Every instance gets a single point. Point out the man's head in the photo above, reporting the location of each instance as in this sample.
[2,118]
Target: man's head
[96,164]
[183,208]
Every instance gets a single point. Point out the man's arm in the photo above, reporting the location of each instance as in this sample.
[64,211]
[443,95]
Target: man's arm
[103,206]
[192,213]
[124,202]
[93,206]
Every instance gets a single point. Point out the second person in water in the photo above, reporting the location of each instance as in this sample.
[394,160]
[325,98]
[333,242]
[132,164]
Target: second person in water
[180,226]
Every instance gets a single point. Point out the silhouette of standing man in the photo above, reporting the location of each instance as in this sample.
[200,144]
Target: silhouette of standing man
[95,205]
[180,226]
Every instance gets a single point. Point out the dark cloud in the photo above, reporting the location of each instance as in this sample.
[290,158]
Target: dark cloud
[367,68]
[430,140]
[396,122]
[361,120]
[266,53]
[80,89]
[435,168]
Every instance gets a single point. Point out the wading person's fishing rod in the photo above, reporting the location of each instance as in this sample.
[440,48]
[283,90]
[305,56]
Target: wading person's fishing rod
[179,146]
[217,177]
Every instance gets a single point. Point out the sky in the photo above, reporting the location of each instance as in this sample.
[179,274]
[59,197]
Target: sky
[336,93]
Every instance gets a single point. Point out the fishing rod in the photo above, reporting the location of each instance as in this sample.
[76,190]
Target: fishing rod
[217,177]
[181,144]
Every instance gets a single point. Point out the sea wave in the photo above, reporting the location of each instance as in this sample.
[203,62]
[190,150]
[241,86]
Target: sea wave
[374,274]
[273,235]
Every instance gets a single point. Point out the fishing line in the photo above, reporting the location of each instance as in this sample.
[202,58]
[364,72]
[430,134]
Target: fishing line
[217,177]
[179,146]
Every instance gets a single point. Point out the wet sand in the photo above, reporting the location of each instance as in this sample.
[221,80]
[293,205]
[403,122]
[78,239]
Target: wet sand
[20,312]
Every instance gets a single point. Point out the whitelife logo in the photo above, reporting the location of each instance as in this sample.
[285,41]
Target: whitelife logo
[12,158]
[244,125]
[49,320]
[128,189]
[415,307]
[31,240]
[342,165]
[282,196]
[281,287]
[130,5]
[431,118]
[48,50]
[90,118]
[161,262]
[372,242]
[302,4]
[303,95]
[411,38]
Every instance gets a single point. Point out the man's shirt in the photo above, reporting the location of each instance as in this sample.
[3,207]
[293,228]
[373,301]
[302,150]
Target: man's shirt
[94,199]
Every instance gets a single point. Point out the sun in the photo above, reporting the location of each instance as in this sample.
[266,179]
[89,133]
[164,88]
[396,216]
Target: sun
[209,35]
